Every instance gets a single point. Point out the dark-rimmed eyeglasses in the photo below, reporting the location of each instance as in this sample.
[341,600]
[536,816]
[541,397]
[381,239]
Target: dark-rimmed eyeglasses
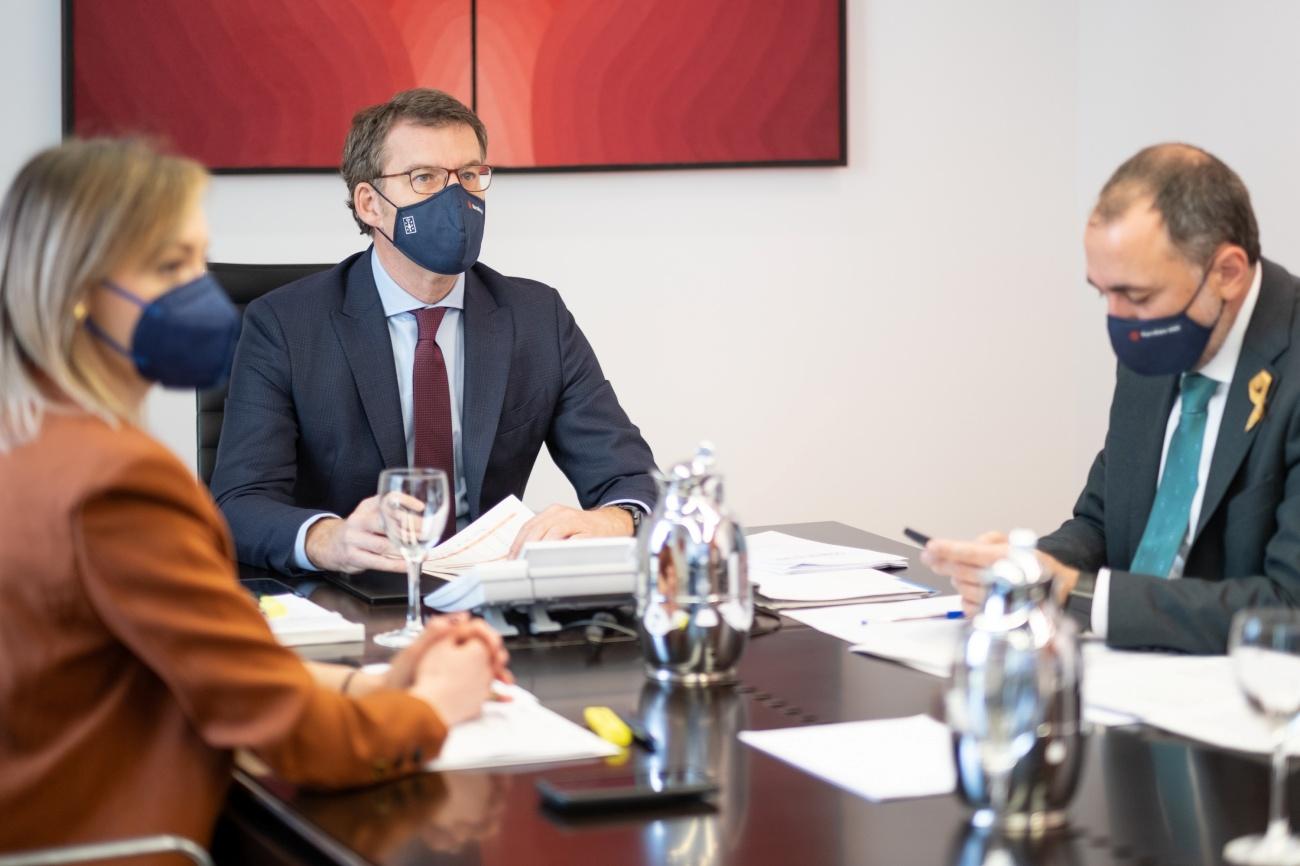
[427,180]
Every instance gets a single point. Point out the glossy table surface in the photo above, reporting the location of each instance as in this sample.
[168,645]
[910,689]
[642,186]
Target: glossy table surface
[1145,798]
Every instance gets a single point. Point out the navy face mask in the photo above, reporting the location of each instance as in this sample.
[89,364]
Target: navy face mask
[443,233]
[1164,346]
[184,338]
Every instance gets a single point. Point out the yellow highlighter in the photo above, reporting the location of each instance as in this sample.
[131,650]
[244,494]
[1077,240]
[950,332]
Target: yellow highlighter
[608,726]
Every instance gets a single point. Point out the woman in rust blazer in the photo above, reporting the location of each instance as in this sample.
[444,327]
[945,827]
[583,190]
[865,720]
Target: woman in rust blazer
[131,661]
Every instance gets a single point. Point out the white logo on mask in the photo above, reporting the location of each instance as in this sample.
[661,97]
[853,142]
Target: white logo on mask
[408,224]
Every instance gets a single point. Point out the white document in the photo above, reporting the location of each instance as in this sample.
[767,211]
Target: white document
[787,554]
[1193,696]
[519,731]
[835,585]
[296,621]
[930,646]
[487,539]
[853,622]
[887,759]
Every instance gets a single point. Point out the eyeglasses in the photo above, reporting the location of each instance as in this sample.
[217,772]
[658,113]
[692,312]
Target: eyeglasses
[428,180]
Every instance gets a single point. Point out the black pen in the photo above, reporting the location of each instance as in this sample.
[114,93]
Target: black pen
[919,537]
[639,733]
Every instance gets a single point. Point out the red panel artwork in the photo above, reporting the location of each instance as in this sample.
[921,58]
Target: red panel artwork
[272,84]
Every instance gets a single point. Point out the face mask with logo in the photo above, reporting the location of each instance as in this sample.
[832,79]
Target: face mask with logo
[443,233]
[184,338]
[1164,346]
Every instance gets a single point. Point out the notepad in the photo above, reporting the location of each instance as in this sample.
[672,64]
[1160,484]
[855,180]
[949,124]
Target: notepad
[886,759]
[520,731]
[296,621]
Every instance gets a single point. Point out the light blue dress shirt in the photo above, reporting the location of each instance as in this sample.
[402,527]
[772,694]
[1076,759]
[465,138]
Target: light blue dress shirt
[403,331]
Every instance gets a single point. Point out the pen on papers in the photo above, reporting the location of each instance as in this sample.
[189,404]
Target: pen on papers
[952,614]
[643,737]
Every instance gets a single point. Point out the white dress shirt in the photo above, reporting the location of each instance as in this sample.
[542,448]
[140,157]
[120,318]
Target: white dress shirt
[1220,368]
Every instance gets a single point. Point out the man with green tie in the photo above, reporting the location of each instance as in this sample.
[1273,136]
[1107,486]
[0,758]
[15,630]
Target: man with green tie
[1192,509]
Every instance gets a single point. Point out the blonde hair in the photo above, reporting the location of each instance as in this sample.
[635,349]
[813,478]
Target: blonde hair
[75,214]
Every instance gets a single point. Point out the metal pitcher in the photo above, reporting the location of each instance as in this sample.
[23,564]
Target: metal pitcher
[1018,672]
[694,605]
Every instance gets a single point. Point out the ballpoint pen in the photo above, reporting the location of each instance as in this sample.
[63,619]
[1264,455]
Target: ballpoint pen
[952,614]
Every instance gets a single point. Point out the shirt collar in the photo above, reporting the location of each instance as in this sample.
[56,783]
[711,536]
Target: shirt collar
[397,300]
[1221,367]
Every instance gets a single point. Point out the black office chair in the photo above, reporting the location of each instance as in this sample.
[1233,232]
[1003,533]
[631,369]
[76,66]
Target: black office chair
[244,283]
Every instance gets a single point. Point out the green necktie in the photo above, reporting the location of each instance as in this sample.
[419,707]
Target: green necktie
[1172,510]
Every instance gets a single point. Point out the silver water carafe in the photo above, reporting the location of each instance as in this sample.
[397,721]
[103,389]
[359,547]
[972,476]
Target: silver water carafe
[694,605]
[1014,702]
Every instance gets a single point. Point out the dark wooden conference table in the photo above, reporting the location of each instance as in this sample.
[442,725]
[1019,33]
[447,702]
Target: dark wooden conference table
[1145,798]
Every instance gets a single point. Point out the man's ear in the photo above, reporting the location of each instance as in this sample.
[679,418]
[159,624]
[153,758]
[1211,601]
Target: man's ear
[369,205]
[1233,269]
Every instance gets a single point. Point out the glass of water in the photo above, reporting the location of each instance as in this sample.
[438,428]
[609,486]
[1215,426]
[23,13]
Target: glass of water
[1265,651]
[413,505]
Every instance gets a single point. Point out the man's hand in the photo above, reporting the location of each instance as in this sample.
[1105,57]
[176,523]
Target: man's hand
[965,562]
[355,544]
[560,521]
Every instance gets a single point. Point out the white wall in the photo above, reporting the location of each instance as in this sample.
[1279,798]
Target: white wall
[906,340]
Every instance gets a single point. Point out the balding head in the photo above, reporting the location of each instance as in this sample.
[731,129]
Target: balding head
[1202,202]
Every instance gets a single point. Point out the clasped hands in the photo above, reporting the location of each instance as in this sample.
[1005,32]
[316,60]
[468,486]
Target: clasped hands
[452,666]
[964,562]
[358,543]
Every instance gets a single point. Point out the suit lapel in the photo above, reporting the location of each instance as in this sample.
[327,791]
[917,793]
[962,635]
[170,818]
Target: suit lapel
[362,330]
[489,343]
[1268,336]
[1135,463]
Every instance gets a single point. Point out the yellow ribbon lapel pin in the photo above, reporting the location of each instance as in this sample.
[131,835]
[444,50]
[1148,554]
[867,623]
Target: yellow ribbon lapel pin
[1258,392]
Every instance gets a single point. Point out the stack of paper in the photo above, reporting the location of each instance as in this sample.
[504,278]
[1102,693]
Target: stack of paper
[888,759]
[519,731]
[295,621]
[823,588]
[779,553]
[487,539]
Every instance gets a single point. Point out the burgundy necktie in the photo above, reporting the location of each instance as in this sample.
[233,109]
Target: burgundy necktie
[431,407]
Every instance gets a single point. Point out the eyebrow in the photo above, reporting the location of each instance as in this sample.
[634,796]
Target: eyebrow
[429,165]
[183,247]
[1121,289]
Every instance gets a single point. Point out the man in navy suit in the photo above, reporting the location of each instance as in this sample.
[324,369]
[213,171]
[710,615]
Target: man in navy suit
[413,353]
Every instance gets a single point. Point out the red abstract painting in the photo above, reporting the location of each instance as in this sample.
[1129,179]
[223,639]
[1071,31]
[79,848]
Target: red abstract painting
[257,85]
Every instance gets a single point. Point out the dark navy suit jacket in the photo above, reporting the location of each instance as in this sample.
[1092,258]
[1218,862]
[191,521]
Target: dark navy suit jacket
[313,413]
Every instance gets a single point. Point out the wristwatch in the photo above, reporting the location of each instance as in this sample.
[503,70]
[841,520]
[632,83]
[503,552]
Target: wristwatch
[635,513]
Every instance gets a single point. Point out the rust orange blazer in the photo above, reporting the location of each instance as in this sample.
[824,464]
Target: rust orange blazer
[132,663]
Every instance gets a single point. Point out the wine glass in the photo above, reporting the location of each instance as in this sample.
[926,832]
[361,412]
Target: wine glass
[1265,651]
[994,709]
[413,506]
